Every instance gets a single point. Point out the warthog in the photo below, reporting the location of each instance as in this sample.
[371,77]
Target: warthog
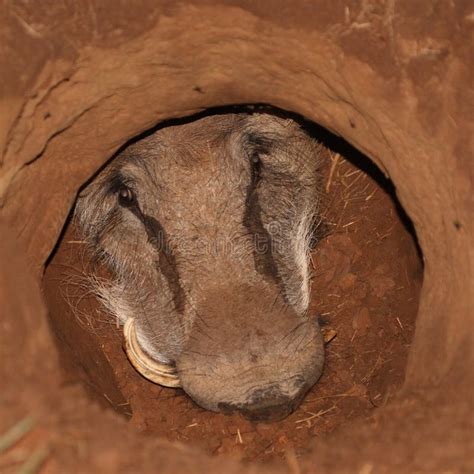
[206,228]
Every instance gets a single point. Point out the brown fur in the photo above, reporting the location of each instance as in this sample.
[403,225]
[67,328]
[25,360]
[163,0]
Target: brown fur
[206,227]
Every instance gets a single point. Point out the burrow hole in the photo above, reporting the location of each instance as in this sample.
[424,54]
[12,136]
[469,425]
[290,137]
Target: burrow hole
[367,276]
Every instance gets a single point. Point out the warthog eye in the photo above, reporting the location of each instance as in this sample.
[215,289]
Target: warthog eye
[125,196]
[256,167]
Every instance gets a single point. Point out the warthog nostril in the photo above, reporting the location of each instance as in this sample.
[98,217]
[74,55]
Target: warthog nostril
[265,405]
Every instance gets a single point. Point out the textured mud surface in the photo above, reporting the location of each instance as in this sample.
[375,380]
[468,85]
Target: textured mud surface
[366,284]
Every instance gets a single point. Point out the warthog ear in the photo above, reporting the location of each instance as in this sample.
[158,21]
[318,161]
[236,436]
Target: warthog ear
[151,369]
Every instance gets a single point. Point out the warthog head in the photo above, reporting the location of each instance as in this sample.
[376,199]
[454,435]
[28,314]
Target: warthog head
[206,228]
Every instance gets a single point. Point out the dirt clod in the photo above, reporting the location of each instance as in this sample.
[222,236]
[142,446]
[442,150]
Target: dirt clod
[361,321]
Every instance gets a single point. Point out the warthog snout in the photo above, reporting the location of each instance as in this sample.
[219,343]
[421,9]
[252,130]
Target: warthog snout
[250,353]
[206,228]
[266,404]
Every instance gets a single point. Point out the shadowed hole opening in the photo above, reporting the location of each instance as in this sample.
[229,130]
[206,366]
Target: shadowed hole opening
[366,280]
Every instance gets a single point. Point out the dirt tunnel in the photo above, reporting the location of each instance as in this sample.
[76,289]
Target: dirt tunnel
[396,394]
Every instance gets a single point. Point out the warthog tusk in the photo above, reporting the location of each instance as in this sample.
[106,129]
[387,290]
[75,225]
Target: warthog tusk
[151,369]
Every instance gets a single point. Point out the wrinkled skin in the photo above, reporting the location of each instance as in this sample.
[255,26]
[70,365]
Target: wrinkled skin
[206,228]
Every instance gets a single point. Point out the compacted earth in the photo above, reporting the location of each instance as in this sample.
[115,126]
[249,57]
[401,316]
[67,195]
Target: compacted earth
[367,275]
